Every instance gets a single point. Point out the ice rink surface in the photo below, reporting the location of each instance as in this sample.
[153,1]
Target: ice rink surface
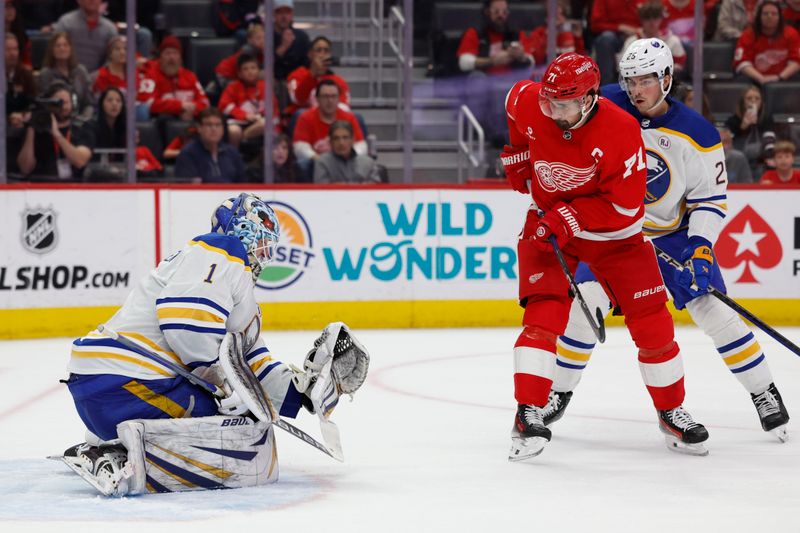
[426,443]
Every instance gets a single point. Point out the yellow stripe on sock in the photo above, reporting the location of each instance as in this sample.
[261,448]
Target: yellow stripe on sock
[741,356]
[575,356]
[159,401]
[220,473]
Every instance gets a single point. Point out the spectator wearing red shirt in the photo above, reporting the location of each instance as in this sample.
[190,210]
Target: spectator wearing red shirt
[227,69]
[783,173]
[310,138]
[613,21]
[495,57]
[242,103]
[768,51]
[14,25]
[170,89]
[568,39]
[679,19]
[112,74]
[303,81]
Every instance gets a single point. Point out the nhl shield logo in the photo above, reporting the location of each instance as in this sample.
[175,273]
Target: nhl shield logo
[39,230]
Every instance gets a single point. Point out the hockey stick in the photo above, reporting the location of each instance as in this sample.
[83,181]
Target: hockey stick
[215,390]
[727,300]
[598,327]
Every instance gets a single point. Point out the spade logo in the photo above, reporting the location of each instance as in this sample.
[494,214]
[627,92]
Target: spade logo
[747,239]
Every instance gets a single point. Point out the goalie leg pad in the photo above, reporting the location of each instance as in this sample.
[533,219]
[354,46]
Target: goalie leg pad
[214,452]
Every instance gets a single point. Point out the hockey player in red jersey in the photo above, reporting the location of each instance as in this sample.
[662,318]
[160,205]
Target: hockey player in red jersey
[583,161]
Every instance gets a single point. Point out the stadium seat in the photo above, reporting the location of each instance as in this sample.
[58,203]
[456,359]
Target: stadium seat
[38,49]
[724,96]
[174,128]
[188,18]
[718,60]
[782,102]
[203,55]
[149,136]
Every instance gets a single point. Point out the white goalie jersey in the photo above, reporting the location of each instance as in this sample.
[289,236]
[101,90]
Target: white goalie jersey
[181,311]
[686,176]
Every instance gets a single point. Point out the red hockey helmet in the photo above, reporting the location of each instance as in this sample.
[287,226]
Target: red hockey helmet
[569,76]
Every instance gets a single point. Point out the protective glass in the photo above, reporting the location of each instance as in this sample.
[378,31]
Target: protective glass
[561,109]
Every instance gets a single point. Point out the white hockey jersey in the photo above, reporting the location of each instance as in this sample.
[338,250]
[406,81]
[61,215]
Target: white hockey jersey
[686,176]
[181,310]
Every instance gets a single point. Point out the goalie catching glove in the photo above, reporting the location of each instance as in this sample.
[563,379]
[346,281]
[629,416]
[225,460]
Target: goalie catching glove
[336,365]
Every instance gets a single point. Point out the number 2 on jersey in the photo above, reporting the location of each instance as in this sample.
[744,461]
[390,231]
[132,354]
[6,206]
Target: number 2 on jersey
[210,273]
[631,161]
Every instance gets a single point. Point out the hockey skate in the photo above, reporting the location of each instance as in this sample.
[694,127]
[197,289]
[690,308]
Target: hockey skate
[682,434]
[556,405]
[529,434]
[105,468]
[772,412]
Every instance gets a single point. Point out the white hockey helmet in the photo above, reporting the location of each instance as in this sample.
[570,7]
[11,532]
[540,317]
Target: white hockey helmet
[647,56]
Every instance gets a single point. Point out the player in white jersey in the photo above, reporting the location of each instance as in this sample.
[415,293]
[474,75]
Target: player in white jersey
[684,208]
[181,312]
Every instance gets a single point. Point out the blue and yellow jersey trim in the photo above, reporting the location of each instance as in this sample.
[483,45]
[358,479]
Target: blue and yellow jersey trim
[98,352]
[197,314]
[228,246]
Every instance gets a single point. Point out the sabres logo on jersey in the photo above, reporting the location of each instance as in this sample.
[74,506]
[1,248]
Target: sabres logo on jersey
[560,176]
[658,177]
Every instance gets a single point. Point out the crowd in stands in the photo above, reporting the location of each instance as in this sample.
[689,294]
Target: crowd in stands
[767,51]
[66,119]
[66,115]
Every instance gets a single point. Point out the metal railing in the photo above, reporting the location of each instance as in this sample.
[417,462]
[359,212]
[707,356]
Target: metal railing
[342,25]
[470,142]
[376,29]
[396,29]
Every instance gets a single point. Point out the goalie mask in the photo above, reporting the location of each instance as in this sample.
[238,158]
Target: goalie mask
[644,57]
[248,218]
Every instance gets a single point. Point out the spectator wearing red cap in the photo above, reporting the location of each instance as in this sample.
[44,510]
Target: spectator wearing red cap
[291,44]
[173,90]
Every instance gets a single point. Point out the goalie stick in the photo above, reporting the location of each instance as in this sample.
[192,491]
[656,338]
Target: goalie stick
[598,327]
[727,300]
[219,393]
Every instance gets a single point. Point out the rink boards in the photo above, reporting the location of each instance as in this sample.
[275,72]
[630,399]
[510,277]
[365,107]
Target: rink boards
[373,257]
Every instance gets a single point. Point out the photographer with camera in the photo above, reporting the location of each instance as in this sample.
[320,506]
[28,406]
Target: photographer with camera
[54,145]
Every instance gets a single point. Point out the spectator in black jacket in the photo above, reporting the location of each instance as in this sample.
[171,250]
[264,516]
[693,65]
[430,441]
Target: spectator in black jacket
[291,45]
[207,157]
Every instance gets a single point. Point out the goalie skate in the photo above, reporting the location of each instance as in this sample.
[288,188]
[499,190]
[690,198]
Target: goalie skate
[771,412]
[681,432]
[104,468]
[529,434]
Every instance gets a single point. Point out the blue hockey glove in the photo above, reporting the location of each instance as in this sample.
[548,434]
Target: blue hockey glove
[699,259]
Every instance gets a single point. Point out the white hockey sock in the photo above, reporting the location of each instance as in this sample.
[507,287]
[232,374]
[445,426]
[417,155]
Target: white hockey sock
[734,341]
[574,347]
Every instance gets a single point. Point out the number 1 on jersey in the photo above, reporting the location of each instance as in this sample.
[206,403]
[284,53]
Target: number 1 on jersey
[630,162]
[210,272]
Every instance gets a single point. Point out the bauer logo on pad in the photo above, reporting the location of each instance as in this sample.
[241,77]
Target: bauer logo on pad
[39,233]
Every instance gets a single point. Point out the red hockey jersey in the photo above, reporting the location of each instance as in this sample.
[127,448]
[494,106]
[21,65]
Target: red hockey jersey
[167,94]
[598,169]
[239,100]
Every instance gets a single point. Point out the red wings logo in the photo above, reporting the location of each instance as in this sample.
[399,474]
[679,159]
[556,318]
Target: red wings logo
[562,177]
[748,238]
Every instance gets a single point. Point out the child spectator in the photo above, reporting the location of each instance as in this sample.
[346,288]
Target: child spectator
[768,51]
[227,69]
[783,173]
[61,64]
[284,163]
[242,102]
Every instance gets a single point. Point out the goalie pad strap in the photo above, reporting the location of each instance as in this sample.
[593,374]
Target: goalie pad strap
[175,455]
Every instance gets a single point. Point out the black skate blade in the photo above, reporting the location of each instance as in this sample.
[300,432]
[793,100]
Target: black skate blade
[525,448]
[105,491]
[678,446]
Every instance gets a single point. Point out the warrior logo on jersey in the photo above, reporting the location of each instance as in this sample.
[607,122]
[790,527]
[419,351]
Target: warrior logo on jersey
[294,253]
[658,177]
[560,176]
[39,230]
